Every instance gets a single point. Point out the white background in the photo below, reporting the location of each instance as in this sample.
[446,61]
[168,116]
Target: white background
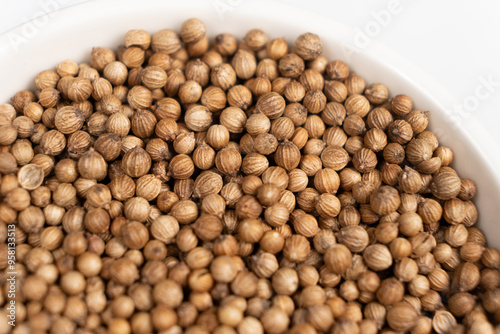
[454,41]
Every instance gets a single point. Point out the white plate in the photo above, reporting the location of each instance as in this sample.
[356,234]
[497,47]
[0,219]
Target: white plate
[72,32]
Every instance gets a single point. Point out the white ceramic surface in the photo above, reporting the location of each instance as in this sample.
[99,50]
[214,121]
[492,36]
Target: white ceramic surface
[75,30]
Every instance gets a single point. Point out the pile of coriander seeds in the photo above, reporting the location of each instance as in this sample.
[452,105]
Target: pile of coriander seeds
[180,184]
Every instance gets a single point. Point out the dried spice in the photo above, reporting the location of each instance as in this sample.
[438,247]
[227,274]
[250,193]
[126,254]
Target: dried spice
[180,184]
